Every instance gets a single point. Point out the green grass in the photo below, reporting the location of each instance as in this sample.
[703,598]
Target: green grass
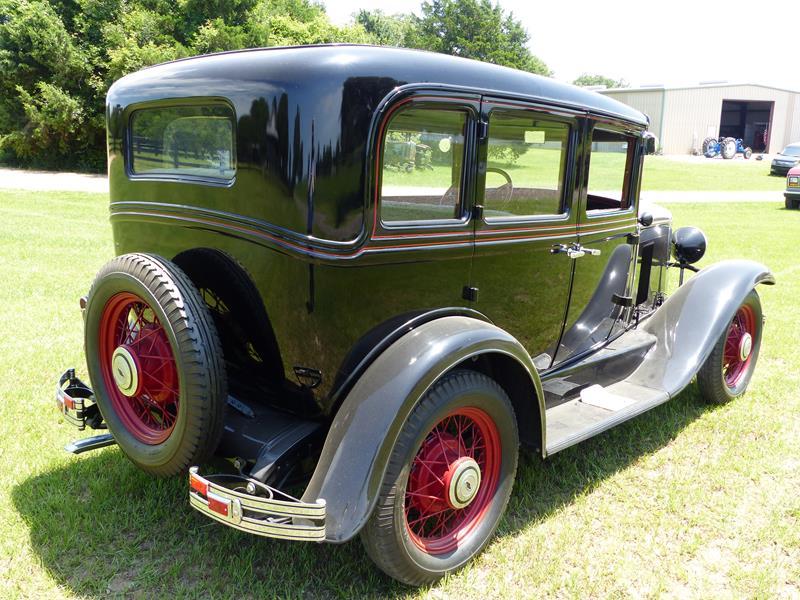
[536,169]
[686,500]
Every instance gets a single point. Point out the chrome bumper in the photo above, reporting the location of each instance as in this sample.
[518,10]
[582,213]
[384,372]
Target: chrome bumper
[251,506]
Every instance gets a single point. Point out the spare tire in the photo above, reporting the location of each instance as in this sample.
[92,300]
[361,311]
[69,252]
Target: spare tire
[156,363]
[728,148]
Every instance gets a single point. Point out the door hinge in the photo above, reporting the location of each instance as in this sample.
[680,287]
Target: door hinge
[477,212]
[470,293]
[483,130]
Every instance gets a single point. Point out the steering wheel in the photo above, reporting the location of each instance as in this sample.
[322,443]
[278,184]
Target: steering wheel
[507,189]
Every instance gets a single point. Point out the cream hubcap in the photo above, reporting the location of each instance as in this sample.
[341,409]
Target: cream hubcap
[464,483]
[745,347]
[126,374]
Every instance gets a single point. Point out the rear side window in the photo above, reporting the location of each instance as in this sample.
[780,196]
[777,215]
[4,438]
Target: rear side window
[610,166]
[423,160]
[183,141]
[526,161]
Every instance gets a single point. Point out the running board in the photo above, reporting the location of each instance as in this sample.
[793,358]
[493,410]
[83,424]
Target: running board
[90,443]
[598,409]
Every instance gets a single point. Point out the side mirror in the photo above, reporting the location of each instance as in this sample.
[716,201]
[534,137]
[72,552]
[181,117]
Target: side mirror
[650,143]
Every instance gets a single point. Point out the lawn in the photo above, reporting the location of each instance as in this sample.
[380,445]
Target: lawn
[539,168]
[687,500]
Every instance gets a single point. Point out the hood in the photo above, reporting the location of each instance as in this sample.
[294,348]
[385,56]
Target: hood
[794,171]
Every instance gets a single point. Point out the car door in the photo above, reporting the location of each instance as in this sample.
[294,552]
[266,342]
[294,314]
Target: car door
[524,188]
[607,212]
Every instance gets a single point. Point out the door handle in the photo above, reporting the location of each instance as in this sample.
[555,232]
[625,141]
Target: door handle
[574,250]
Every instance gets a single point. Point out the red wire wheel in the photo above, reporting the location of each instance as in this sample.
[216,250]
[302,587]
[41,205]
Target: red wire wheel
[139,369]
[726,372]
[739,346]
[448,480]
[452,480]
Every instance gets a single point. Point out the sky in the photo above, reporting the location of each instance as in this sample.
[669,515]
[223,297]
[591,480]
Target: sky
[677,42]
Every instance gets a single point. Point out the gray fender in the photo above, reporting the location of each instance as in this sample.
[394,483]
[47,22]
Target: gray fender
[691,321]
[356,453]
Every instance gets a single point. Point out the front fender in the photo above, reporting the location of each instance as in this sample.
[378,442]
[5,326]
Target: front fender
[691,321]
[356,453]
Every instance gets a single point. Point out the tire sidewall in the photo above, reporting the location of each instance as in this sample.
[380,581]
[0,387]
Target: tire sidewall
[110,284]
[500,411]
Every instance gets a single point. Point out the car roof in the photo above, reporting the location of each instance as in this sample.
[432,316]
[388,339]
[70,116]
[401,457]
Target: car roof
[339,63]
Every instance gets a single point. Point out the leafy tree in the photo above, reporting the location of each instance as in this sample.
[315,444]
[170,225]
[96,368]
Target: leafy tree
[475,29]
[386,30]
[587,80]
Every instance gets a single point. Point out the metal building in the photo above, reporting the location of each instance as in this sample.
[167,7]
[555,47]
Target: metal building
[766,118]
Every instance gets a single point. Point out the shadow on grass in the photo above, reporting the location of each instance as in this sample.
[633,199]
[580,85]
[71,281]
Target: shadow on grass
[102,527]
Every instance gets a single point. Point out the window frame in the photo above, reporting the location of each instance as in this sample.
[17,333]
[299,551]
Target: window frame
[627,201]
[463,204]
[565,167]
[175,176]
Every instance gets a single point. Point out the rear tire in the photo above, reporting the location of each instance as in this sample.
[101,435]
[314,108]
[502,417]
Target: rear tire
[727,371]
[156,363]
[419,530]
[709,147]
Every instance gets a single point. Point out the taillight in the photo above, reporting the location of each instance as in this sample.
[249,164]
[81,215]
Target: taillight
[198,484]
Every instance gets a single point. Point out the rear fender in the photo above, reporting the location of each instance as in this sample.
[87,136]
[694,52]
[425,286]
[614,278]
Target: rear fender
[356,453]
[691,321]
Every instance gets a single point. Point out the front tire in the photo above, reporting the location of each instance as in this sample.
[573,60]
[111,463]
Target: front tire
[727,371]
[156,363]
[449,479]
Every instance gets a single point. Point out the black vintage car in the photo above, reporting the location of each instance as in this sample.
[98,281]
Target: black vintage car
[370,275]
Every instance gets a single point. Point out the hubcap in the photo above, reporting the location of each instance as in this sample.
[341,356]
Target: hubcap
[462,481]
[125,371]
[745,346]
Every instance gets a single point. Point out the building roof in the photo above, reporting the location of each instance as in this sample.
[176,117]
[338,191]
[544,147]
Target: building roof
[337,64]
[661,88]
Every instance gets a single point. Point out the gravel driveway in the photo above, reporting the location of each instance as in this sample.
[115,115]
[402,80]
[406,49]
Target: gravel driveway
[45,181]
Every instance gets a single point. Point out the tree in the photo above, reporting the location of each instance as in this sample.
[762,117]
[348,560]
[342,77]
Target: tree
[59,57]
[475,29]
[386,30]
[587,80]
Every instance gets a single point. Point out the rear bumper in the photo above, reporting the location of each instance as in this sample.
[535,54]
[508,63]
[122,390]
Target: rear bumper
[249,505]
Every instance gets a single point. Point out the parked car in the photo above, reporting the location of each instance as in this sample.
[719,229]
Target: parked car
[792,193]
[286,297]
[786,159]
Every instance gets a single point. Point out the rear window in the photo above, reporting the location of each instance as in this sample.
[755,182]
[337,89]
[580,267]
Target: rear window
[184,141]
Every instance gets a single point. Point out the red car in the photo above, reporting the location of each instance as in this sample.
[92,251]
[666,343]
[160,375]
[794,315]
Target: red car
[792,193]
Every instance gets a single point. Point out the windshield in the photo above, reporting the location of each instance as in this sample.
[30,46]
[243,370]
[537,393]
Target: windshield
[791,151]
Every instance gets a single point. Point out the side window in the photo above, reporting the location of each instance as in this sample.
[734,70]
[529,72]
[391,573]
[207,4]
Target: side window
[610,165]
[525,167]
[423,159]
